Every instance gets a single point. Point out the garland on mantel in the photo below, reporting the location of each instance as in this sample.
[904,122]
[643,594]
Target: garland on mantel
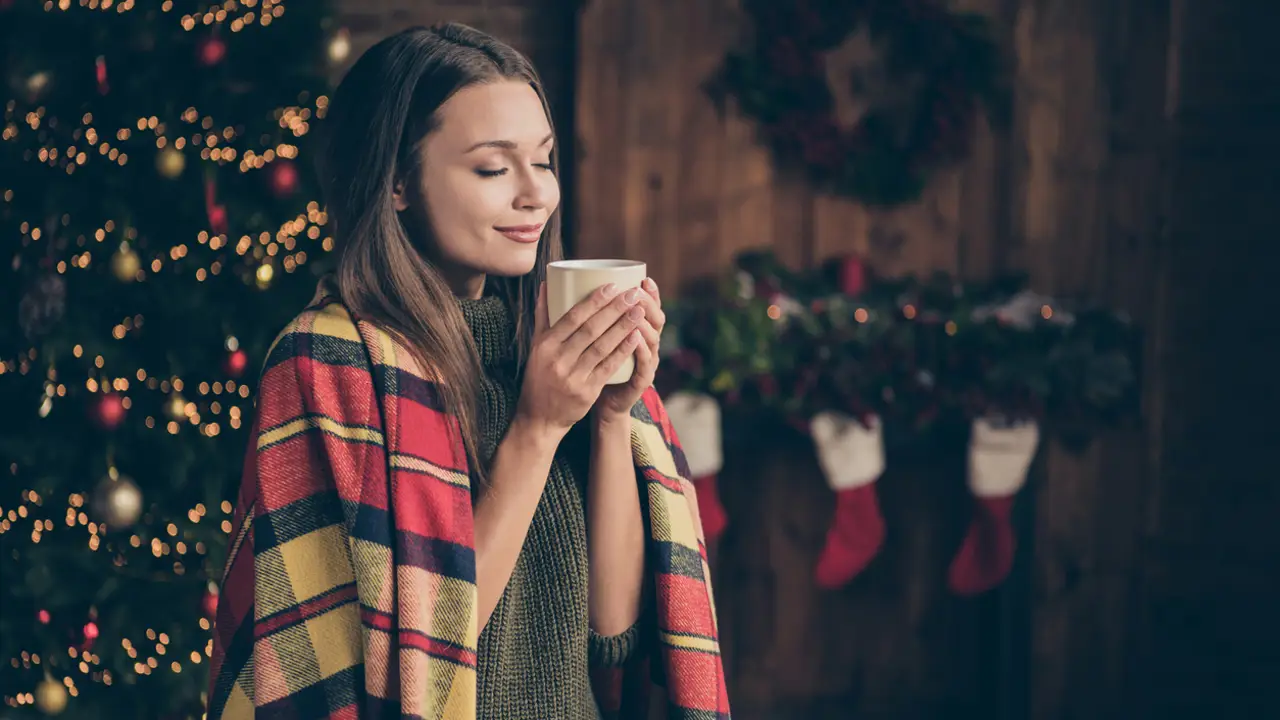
[943,66]
[926,356]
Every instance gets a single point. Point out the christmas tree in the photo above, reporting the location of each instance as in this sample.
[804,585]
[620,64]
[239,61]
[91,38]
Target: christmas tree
[160,228]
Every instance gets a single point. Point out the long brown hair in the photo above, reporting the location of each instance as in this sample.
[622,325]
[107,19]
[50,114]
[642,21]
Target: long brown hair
[377,123]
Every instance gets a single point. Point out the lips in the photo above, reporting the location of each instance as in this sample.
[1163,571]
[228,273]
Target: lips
[522,233]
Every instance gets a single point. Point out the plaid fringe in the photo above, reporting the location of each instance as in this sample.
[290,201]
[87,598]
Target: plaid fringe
[349,589]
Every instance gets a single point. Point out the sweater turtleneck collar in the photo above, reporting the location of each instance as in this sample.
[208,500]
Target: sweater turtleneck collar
[492,328]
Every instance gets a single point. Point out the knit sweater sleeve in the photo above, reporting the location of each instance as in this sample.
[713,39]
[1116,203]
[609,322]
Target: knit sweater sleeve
[611,651]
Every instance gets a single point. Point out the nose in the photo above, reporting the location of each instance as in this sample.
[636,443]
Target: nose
[536,190]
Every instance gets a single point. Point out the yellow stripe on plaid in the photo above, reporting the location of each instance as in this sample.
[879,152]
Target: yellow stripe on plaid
[297,426]
[426,467]
[671,518]
[687,642]
[334,321]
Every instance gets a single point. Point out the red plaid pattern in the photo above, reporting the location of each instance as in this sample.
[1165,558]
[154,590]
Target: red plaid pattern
[349,590]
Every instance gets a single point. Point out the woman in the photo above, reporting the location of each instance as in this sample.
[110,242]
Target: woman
[440,515]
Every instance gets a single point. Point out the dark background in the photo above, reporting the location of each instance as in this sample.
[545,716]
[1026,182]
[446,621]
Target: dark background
[1141,172]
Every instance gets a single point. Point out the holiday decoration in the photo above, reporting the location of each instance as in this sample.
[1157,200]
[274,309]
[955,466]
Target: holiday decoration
[125,263]
[211,51]
[89,633]
[340,46]
[696,419]
[999,458]
[175,407]
[170,162]
[51,696]
[209,602]
[107,411]
[37,84]
[851,455]
[236,362]
[137,153]
[283,178]
[263,275]
[925,356]
[216,212]
[100,74]
[117,501]
[42,305]
[918,101]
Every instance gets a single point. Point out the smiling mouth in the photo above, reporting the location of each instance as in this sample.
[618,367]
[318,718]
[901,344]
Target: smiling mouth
[522,233]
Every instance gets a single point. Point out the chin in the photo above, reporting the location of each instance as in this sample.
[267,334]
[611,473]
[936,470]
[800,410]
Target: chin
[512,269]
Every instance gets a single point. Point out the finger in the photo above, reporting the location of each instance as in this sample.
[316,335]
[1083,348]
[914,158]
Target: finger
[600,350]
[651,287]
[599,323]
[615,359]
[653,311]
[569,323]
[646,363]
[652,336]
[541,320]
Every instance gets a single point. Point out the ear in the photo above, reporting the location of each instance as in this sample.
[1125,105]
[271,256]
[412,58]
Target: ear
[399,197]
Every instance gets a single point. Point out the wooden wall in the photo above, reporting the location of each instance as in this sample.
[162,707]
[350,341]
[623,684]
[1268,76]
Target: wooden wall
[1079,195]
[1137,174]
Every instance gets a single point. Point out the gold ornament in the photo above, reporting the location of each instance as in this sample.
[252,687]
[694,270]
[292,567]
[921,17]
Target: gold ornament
[117,501]
[171,162]
[125,263]
[51,696]
[340,46]
[176,407]
[37,83]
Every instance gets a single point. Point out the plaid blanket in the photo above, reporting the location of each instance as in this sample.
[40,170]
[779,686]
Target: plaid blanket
[349,589]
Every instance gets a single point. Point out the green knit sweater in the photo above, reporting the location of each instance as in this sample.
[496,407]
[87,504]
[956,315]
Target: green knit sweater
[536,650]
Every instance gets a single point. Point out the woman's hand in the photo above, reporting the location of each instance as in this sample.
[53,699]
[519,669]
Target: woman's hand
[571,360]
[616,400]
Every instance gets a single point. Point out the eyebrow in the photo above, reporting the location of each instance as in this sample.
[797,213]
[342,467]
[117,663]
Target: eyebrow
[505,144]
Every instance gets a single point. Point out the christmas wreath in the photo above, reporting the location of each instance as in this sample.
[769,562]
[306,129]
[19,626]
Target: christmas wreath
[934,70]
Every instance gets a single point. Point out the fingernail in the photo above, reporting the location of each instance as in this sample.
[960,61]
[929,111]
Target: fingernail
[610,290]
[649,283]
[632,295]
[635,313]
[634,337]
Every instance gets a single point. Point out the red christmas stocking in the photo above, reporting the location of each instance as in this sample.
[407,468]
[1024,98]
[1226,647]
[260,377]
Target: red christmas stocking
[852,459]
[999,458]
[696,419]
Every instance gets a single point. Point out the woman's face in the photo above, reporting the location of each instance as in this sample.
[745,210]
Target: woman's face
[487,187]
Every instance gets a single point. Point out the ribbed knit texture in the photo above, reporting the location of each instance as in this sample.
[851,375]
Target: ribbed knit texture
[534,653]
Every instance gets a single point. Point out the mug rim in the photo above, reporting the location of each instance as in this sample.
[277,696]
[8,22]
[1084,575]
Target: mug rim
[595,264]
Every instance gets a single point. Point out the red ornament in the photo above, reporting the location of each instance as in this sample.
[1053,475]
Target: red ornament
[209,603]
[217,213]
[100,73]
[283,178]
[44,617]
[90,634]
[853,276]
[107,411]
[211,51]
[235,363]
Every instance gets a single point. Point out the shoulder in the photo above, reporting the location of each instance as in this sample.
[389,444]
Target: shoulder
[325,333]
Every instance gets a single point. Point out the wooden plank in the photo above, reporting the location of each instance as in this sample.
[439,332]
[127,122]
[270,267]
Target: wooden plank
[599,120]
[699,147]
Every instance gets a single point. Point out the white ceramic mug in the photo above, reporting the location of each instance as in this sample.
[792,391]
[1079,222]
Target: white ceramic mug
[569,282]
